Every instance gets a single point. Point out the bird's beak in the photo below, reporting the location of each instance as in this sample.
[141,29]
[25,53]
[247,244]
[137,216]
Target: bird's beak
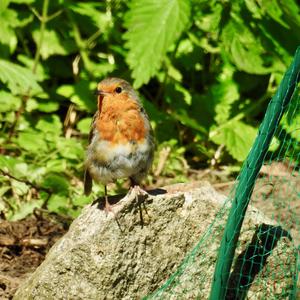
[100,92]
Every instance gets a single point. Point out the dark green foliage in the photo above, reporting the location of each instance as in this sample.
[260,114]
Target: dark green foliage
[205,71]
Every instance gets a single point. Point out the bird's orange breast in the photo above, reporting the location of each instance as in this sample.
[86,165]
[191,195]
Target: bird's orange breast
[120,121]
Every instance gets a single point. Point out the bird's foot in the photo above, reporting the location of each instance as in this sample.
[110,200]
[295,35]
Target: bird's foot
[140,195]
[108,208]
[137,191]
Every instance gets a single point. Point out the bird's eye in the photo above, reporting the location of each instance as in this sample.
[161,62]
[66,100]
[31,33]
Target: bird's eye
[118,90]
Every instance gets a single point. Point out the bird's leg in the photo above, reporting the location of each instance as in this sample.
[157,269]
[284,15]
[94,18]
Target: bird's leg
[137,192]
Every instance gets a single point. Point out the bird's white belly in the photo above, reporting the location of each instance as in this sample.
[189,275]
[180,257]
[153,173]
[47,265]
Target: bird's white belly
[107,162]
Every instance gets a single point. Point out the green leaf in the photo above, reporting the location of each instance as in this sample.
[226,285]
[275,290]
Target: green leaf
[9,102]
[32,141]
[291,10]
[20,188]
[56,165]
[182,116]
[47,106]
[41,73]
[57,183]
[291,124]
[224,94]
[245,49]
[187,97]
[53,45]
[209,22]
[153,26]
[7,163]
[273,9]
[51,124]
[31,104]
[21,169]
[18,79]
[102,20]
[81,200]
[80,94]
[8,36]
[70,148]
[84,125]
[3,190]
[66,90]
[237,137]
[26,209]
[3,5]
[22,1]
[56,203]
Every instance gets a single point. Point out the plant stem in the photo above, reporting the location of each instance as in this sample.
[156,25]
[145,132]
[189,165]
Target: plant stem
[44,20]
[81,45]
[25,181]
[25,97]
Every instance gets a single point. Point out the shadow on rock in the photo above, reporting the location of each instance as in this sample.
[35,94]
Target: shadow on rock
[253,259]
[117,198]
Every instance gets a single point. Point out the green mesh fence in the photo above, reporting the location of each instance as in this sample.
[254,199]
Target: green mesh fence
[248,253]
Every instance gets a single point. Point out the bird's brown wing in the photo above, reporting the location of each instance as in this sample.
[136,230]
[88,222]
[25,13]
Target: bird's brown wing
[88,181]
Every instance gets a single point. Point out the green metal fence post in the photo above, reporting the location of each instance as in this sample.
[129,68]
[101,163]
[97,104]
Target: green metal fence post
[248,175]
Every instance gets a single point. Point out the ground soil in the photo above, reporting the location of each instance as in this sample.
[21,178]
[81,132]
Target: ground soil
[24,244]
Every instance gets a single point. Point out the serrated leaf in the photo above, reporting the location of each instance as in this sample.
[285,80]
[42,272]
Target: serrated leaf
[153,26]
[18,79]
[237,137]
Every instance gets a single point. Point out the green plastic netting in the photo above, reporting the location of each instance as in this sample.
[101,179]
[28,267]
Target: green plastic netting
[248,253]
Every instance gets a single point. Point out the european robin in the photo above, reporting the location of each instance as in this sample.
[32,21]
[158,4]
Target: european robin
[121,143]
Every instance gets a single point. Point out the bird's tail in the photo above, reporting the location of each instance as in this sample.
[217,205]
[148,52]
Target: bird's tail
[88,182]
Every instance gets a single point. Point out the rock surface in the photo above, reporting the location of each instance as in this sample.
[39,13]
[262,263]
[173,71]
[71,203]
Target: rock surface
[107,257]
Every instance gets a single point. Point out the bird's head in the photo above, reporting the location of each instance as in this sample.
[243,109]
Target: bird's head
[115,89]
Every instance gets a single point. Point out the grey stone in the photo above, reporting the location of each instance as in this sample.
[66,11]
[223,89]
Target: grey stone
[107,257]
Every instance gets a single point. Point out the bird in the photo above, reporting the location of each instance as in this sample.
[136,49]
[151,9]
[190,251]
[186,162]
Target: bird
[121,142]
